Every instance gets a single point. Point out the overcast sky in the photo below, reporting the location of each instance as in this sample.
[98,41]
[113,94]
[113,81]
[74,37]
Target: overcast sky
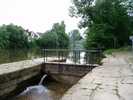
[36,15]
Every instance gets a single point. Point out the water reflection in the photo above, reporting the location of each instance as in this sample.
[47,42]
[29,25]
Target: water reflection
[7,56]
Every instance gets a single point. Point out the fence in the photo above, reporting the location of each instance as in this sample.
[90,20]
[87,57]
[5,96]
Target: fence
[73,56]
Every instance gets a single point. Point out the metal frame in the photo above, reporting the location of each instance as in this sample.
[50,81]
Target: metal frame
[91,56]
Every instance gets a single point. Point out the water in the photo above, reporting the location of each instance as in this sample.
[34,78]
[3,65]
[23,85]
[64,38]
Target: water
[80,60]
[57,90]
[49,91]
[38,92]
[7,56]
[42,79]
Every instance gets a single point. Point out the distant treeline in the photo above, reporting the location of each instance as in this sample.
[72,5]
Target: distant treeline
[16,37]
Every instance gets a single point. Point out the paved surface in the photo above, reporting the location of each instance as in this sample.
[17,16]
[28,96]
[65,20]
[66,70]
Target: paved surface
[15,66]
[111,81]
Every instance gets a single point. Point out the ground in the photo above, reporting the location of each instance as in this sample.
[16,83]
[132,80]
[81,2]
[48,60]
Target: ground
[111,81]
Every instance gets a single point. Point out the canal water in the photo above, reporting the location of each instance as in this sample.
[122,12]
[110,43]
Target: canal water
[54,91]
[49,89]
[7,56]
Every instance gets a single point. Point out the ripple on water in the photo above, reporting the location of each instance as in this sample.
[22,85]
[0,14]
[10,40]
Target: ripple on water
[51,91]
[38,92]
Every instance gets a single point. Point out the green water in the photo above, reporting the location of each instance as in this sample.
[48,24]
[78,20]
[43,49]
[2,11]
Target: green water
[7,56]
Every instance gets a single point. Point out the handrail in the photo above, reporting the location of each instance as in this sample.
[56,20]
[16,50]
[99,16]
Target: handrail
[90,50]
[75,55]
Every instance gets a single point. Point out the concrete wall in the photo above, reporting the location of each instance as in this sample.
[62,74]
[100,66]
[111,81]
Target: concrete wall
[67,73]
[13,81]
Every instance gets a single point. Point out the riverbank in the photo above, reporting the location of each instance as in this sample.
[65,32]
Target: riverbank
[111,81]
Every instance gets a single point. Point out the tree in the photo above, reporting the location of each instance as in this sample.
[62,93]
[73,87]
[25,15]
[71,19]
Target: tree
[54,38]
[48,40]
[4,37]
[62,37]
[108,22]
[13,37]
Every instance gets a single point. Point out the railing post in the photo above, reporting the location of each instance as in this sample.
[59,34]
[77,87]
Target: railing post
[75,56]
[86,57]
[79,57]
[44,53]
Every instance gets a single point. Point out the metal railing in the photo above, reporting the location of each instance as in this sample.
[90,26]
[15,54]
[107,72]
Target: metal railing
[73,56]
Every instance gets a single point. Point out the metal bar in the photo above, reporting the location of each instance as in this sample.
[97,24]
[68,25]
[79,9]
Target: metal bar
[74,56]
[79,57]
[89,57]
[91,50]
[44,55]
[86,58]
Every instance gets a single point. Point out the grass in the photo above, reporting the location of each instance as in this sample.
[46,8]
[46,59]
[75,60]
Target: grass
[110,51]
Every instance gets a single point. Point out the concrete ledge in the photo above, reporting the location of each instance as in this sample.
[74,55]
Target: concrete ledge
[78,70]
[13,74]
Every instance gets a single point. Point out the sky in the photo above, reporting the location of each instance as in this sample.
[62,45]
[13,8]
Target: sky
[37,15]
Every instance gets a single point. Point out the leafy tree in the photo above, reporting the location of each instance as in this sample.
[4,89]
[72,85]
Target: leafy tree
[13,37]
[54,38]
[4,37]
[17,37]
[62,37]
[108,22]
[48,40]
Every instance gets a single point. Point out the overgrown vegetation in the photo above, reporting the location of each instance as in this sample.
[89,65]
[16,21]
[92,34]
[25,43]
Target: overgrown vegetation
[13,37]
[108,22]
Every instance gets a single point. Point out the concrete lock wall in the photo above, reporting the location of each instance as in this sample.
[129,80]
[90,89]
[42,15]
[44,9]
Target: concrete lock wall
[66,73]
[11,81]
